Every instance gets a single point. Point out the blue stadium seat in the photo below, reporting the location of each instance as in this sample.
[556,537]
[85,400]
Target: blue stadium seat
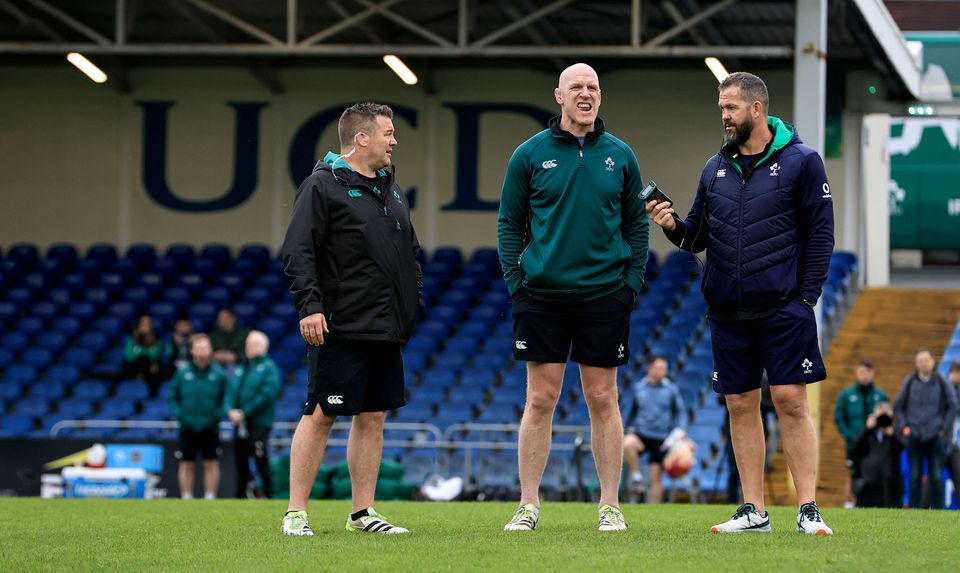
[90,390]
[82,311]
[165,314]
[9,391]
[116,409]
[125,269]
[452,361]
[217,296]
[181,254]
[103,254]
[113,283]
[447,314]
[48,390]
[218,253]
[132,390]
[7,356]
[442,273]
[9,313]
[99,297]
[290,342]
[93,341]
[247,313]
[203,315]
[31,326]
[448,255]
[74,409]
[15,426]
[111,327]
[39,358]
[139,297]
[180,297]
[153,283]
[33,406]
[276,329]
[24,253]
[45,311]
[124,311]
[63,374]
[37,282]
[487,315]
[273,282]
[63,253]
[467,345]
[259,296]
[55,342]
[288,361]
[246,269]
[203,268]
[285,312]
[142,255]
[157,409]
[52,272]
[259,255]
[233,282]
[21,296]
[15,342]
[80,358]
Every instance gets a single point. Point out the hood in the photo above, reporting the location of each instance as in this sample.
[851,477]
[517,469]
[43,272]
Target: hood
[784,134]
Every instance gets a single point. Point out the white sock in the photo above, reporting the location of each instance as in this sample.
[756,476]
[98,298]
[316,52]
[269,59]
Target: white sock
[209,496]
[636,476]
[186,496]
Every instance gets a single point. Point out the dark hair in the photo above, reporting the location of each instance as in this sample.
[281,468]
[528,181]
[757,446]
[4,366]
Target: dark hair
[866,363]
[656,357]
[751,87]
[360,117]
[955,366]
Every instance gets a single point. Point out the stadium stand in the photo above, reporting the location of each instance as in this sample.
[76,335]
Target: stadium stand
[459,363]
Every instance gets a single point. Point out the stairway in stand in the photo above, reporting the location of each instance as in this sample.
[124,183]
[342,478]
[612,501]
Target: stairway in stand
[887,326]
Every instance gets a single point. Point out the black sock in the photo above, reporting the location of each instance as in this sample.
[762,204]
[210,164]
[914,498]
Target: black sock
[359,514]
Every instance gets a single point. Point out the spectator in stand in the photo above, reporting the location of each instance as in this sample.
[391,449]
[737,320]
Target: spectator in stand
[196,401]
[875,461]
[656,410]
[926,411]
[854,406]
[953,450]
[228,338]
[250,403]
[146,355]
[180,341]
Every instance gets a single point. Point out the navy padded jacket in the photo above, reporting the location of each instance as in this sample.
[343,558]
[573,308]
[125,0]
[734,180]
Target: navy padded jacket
[767,228]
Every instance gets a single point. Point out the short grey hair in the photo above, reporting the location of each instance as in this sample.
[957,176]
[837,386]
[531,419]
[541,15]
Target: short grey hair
[751,87]
[257,335]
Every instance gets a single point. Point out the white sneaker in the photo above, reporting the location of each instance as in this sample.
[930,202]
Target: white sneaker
[745,520]
[525,519]
[611,519]
[810,522]
[373,522]
[295,523]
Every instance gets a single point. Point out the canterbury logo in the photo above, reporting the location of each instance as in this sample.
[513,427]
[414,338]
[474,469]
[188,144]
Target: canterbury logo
[354,193]
[549,164]
[334,399]
[521,344]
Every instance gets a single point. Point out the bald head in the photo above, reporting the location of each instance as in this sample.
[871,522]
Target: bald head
[577,70]
[257,344]
[578,93]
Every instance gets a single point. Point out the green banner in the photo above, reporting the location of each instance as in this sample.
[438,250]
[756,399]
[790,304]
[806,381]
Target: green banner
[924,183]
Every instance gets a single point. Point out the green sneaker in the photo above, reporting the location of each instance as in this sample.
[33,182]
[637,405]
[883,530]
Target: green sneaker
[295,523]
[525,519]
[611,518]
[373,522]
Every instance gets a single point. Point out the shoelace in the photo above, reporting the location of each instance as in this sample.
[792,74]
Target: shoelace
[522,514]
[811,512]
[745,509]
[299,522]
[611,515]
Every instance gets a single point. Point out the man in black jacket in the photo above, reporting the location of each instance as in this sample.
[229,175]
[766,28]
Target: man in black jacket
[350,256]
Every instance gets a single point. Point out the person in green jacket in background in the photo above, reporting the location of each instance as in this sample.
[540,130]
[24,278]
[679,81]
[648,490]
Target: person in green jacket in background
[196,401]
[572,236]
[146,355]
[854,405]
[250,402]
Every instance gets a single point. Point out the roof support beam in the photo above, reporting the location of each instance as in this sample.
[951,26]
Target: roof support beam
[341,26]
[413,27]
[636,8]
[234,21]
[509,29]
[25,20]
[690,22]
[70,22]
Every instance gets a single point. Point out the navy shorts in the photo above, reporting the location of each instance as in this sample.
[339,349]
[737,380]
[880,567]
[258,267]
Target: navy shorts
[203,442]
[347,377]
[784,344]
[594,332]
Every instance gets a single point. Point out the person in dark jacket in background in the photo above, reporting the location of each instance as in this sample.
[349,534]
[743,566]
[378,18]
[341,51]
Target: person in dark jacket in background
[196,401]
[250,402]
[854,406]
[764,213]
[926,410]
[146,355]
[350,256]
[953,448]
[875,459]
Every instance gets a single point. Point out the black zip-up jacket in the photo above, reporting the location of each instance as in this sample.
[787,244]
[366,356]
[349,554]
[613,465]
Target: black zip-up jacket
[351,253]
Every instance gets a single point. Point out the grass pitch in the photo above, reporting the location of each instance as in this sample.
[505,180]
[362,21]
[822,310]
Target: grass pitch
[233,536]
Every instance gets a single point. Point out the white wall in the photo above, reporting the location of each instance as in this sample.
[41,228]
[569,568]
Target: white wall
[71,151]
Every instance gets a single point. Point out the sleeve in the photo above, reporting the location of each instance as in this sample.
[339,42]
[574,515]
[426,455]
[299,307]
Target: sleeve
[415,247]
[306,230]
[898,406]
[634,224]
[840,417]
[683,418]
[173,397]
[130,350]
[266,391]
[513,218]
[950,416]
[816,226]
[693,232]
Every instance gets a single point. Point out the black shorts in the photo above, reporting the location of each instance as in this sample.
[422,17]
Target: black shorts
[784,344]
[204,442]
[597,330]
[347,377]
[653,447]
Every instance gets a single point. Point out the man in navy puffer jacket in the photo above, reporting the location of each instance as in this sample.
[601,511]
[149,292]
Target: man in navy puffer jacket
[764,213]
